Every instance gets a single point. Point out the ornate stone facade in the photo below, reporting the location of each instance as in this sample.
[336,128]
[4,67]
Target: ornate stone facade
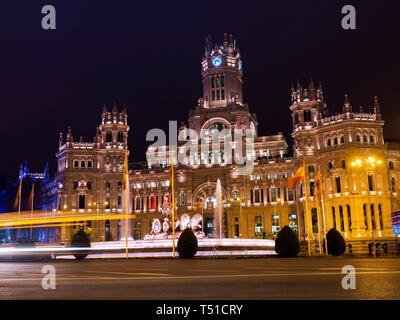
[359,194]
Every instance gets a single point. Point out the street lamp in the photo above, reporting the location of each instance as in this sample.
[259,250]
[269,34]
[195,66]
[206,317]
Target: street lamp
[370,162]
[240,213]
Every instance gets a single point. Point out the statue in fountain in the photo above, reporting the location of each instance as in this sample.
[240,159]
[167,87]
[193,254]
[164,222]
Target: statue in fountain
[163,230]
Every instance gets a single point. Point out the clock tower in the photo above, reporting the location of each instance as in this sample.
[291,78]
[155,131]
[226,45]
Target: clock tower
[222,103]
[222,74]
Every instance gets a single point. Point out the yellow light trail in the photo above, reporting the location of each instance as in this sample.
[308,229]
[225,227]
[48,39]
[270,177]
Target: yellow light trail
[44,225]
[27,218]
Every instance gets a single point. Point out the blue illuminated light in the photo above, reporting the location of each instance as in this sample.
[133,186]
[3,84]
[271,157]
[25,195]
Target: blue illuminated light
[240,65]
[217,61]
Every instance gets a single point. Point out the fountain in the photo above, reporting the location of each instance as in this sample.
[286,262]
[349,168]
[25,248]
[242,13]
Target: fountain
[218,212]
[158,242]
[126,205]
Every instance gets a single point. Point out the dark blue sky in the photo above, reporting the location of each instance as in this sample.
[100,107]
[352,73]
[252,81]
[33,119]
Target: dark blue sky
[147,55]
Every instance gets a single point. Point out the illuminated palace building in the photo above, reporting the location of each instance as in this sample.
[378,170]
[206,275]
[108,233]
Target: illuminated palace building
[359,171]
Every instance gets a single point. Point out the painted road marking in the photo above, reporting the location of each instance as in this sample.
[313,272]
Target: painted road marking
[205,277]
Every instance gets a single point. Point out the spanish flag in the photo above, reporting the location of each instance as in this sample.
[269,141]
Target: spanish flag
[291,182]
[18,196]
[318,189]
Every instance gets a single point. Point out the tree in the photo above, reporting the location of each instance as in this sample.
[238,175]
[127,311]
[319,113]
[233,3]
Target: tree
[187,244]
[336,243]
[287,244]
[79,240]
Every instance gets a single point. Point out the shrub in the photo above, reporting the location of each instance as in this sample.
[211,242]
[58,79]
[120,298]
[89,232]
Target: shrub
[187,244]
[287,243]
[336,243]
[79,240]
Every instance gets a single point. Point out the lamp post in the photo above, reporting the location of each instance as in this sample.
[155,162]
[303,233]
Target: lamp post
[369,163]
[240,213]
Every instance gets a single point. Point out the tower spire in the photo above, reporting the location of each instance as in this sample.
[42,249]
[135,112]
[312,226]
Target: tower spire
[60,140]
[312,90]
[347,108]
[69,134]
[377,108]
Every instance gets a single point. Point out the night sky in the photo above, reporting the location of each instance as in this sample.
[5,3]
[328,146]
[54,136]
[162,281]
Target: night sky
[147,55]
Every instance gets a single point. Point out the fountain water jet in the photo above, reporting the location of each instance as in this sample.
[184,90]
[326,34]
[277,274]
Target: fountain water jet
[218,212]
[126,200]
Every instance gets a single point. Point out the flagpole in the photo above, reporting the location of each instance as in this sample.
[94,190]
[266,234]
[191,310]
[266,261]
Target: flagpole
[323,212]
[306,205]
[126,203]
[20,197]
[173,203]
[202,217]
[33,197]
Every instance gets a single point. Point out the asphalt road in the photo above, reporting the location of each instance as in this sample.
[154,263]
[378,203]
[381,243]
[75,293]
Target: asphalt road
[272,278]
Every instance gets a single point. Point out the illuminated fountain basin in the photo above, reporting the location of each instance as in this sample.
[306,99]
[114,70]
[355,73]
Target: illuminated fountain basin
[163,248]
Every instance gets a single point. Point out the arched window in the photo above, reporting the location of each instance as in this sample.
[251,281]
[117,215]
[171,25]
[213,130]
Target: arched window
[380,216]
[89,185]
[120,137]
[365,139]
[329,142]
[222,81]
[293,222]
[373,217]
[341,218]
[335,140]
[372,139]
[108,202]
[393,183]
[75,185]
[89,164]
[108,185]
[108,230]
[391,165]
[307,116]
[358,138]
[365,216]
[83,164]
[119,202]
[137,207]
[341,139]
[108,136]
[349,216]
[182,199]
[120,186]
[314,220]
[334,217]
[76,164]
[81,201]
[343,164]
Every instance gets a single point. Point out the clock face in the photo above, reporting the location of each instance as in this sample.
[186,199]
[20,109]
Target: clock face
[217,61]
[240,65]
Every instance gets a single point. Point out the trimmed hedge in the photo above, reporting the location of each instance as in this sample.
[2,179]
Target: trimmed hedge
[287,243]
[187,244]
[336,243]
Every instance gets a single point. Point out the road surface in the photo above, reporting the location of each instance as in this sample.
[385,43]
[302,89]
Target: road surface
[269,278]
